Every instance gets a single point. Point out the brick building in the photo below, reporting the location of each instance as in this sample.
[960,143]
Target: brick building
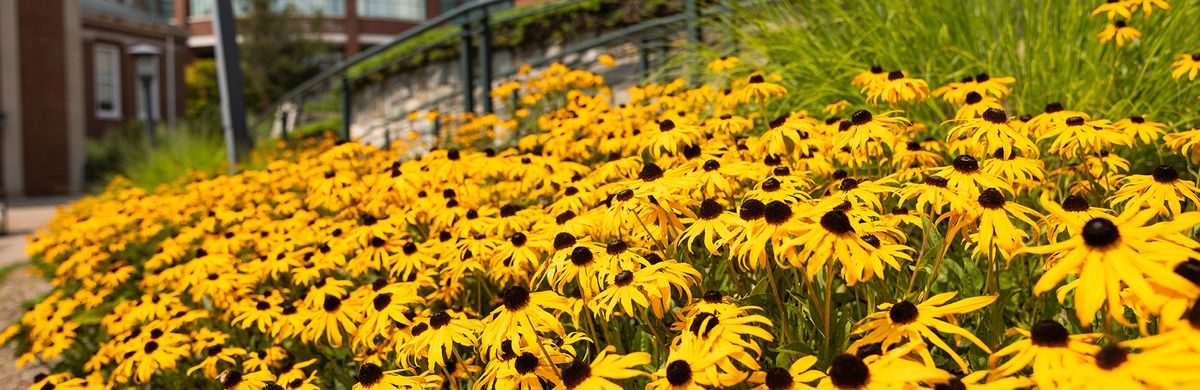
[349,25]
[66,74]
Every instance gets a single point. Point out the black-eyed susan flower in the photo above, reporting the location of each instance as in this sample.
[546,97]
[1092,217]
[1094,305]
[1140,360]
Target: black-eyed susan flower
[1161,190]
[606,367]
[1048,346]
[797,376]
[865,127]
[521,316]
[1137,126]
[372,377]
[1114,8]
[1106,252]
[890,370]
[1188,64]
[758,89]
[723,63]
[904,321]
[443,334]
[1119,31]
[897,87]
[869,77]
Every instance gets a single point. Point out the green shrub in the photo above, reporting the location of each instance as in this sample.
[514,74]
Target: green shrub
[1049,46]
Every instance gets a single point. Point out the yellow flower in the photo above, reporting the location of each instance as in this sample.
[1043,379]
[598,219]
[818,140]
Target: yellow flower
[607,60]
[604,368]
[1049,347]
[719,65]
[886,371]
[915,323]
[1106,253]
[1120,31]
[1186,64]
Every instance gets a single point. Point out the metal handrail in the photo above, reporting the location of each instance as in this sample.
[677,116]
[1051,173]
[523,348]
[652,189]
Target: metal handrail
[472,25]
[337,70]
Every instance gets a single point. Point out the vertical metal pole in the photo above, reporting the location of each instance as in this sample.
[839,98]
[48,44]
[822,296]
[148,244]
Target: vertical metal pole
[283,125]
[468,78]
[229,76]
[345,136]
[693,21]
[644,58]
[693,37]
[299,112]
[149,101]
[485,62]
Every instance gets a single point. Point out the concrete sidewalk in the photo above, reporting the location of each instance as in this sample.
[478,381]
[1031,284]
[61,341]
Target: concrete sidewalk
[18,285]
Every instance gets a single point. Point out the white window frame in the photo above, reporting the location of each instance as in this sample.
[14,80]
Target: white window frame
[377,9]
[112,54]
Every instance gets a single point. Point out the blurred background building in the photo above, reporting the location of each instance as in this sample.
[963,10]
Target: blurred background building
[73,70]
[67,73]
[347,25]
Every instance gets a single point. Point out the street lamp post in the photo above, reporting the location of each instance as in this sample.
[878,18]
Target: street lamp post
[145,58]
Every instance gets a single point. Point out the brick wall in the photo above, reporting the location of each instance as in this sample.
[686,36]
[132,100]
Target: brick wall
[43,85]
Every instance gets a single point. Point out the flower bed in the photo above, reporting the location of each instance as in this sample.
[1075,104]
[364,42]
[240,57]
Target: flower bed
[690,237]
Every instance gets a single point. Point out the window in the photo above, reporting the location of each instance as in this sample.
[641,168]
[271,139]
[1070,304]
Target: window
[392,9]
[106,61]
[200,9]
[313,7]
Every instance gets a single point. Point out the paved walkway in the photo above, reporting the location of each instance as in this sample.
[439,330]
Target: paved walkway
[17,284]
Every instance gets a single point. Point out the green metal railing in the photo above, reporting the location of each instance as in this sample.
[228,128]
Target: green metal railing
[473,25]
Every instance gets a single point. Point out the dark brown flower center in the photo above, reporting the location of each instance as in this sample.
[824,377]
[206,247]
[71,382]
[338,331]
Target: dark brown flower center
[1165,174]
[1075,121]
[1049,333]
[709,209]
[836,222]
[703,323]
[1189,270]
[995,115]
[779,378]
[650,172]
[563,240]
[1111,356]
[623,278]
[382,301]
[438,320]
[518,239]
[965,164]
[679,373]
[332,303]
[1075,203]
[849,372]
[991,198]
[575,373]
[515,297]
[369,374]
[231,379]
[871,239]
[776,212]
[936,181]
[1100,233]
[581,256]
[903,312]
[974,97]
[526,363]
[861,117]
[751,209]
[952,384]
